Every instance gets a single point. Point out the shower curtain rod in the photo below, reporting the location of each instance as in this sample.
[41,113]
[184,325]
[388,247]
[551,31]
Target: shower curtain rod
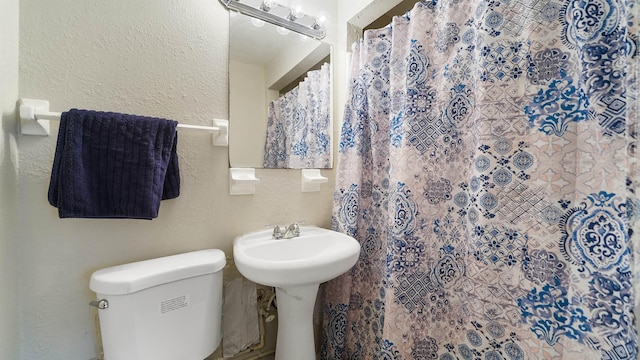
[35,117]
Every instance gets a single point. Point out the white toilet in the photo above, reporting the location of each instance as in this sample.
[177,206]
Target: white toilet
[161,309]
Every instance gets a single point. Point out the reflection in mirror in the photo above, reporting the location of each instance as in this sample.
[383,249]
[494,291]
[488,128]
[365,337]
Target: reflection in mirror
[279,97]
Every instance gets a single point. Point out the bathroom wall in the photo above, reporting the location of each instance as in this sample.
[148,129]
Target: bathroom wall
[9,302]
[163,58]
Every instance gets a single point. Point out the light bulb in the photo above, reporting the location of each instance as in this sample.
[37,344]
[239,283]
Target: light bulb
[257,22]
[319,22]
[295,13]
[282,31]
[267,5]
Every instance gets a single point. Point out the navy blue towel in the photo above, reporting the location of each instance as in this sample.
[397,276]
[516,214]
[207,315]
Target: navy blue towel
[111,165]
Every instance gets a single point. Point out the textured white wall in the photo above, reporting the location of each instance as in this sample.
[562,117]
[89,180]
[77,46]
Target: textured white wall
[155,57]
[9,302]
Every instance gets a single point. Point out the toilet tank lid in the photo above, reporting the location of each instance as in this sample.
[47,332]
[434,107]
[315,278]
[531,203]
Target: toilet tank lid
[129,278]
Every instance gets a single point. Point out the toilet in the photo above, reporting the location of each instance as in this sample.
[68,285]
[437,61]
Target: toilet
[161,309]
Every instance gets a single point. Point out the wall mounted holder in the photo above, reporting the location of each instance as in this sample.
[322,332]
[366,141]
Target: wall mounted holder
[242,181]
[35,118]
[311,180]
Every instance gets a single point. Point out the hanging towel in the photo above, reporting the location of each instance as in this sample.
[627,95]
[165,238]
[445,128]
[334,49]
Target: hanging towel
[111,165]
[240,320]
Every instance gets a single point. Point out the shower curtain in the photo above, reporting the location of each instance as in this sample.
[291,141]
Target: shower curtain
[298,124]
[487,166]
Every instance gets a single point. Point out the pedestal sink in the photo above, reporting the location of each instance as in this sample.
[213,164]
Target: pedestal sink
[295,267]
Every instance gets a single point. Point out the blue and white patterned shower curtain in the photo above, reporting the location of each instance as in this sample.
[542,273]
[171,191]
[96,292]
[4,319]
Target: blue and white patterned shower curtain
[298,124]
[487,165]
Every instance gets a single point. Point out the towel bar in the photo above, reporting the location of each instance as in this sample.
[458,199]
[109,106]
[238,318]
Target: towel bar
[35,117]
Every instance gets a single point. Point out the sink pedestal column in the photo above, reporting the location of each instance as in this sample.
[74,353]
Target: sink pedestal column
[295,322]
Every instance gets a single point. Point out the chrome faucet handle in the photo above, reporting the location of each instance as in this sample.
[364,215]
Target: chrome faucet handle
[294,228]
[277,231]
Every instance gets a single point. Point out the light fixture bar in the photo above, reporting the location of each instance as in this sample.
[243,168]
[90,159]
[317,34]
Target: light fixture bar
[315,31]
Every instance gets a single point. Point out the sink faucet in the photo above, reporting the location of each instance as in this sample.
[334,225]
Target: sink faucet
[290,231]
[293,230]
[277,232]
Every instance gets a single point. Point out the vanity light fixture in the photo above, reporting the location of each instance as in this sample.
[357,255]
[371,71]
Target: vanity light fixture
[277,14]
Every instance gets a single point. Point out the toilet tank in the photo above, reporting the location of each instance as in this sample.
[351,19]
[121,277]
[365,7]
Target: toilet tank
[162,309]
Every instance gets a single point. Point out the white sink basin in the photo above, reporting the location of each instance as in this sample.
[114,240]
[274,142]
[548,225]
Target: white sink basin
[316,256]
[296,267]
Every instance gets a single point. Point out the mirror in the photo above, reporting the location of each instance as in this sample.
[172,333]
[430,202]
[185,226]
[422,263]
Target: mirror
[279,81]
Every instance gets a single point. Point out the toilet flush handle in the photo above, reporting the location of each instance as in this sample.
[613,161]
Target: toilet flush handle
[100,304]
